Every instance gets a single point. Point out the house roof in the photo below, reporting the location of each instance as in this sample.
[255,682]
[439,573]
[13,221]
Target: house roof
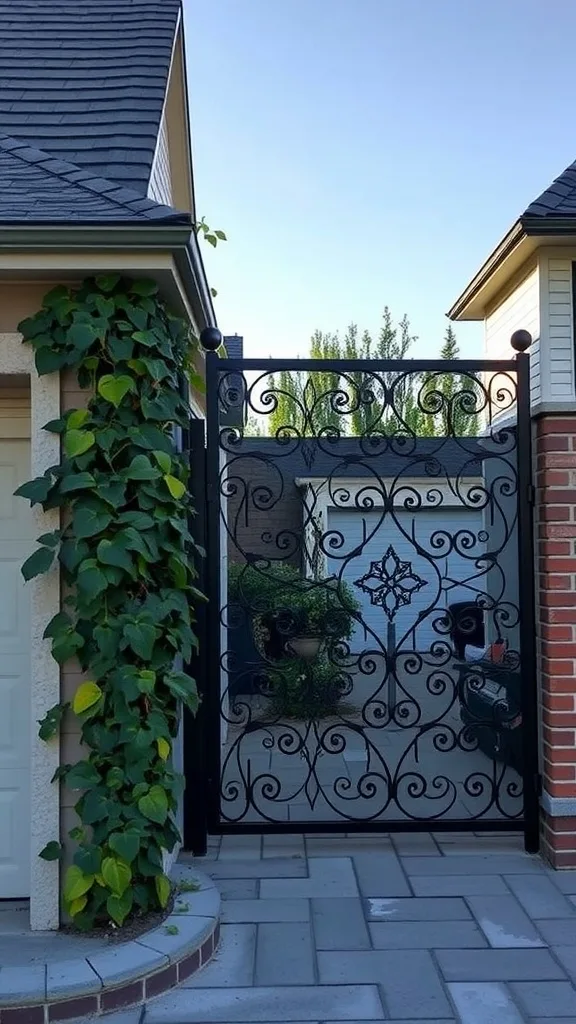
[552,213]
[85,80]
[429,458]
[234,345]
[35,187]
[558,200]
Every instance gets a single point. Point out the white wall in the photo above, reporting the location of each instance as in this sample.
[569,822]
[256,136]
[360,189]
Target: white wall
[517,308]
[160,188]
[557,328]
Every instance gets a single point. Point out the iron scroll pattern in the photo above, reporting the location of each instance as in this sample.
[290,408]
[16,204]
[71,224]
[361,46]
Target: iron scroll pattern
[342,696]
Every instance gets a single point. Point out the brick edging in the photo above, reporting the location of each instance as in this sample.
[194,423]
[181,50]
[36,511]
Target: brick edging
[178,964]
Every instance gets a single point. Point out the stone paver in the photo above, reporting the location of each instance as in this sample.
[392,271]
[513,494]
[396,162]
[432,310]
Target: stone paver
[484,1004]
[503,922]
[340,924]
[559,933]
[418,910]
[539,896]
[427,935]
[546,998]
[285,956]
[408,929]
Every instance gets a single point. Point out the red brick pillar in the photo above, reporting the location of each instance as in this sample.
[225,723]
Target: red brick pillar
[555,515]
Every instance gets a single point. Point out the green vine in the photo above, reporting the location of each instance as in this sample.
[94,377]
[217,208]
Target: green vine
[128,558]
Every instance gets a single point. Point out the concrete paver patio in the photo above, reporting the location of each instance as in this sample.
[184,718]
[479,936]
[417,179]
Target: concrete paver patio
[414,929]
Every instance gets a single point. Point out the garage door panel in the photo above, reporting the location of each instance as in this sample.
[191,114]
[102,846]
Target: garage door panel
[16,543]
[428,561]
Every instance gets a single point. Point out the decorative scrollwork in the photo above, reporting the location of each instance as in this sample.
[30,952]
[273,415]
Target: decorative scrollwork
[370,536]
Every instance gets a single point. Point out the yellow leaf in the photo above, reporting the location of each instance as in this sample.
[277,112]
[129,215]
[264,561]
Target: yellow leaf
[175,486]
[76,884]
[162,889]
[86,696]
[77,906]
[163,748]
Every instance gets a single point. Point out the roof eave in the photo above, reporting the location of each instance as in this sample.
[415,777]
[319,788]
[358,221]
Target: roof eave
[180,239]
[510,241]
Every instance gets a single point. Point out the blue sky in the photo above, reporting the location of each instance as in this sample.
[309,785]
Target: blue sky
[368,152]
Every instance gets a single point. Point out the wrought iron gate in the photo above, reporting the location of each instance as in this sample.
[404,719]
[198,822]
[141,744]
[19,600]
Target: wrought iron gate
[369,530]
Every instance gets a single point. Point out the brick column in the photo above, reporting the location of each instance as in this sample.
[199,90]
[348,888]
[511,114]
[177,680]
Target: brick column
[555,516]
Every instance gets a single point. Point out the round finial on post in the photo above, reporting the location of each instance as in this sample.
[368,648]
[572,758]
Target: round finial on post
[521,340]
[211,339]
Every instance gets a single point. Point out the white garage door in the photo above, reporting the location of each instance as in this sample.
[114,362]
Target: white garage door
[16,543]
[428,584]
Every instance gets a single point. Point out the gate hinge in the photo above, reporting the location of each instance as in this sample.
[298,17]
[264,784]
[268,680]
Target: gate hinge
[531,494]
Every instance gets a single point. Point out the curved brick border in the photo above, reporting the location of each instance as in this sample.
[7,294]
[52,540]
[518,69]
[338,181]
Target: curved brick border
[123,975]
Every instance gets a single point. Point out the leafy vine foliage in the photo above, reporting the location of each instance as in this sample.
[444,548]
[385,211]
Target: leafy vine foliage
[127,557]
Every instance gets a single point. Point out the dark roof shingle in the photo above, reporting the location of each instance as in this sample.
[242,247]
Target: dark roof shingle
[85,80]
[559,199]
[36,188]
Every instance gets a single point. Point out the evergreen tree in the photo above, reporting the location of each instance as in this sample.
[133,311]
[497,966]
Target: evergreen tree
[455,395]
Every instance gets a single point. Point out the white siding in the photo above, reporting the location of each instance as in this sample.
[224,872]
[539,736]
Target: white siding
[160,188]
[557,329]
[520,309]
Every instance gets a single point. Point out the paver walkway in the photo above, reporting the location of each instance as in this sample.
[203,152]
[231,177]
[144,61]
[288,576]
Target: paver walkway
[407,929]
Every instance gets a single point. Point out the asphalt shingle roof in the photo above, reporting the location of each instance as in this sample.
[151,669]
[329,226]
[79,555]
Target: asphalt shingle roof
[559,199]
[85,80]
[37,188]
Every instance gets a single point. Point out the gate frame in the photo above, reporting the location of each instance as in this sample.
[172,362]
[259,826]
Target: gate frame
[202,802]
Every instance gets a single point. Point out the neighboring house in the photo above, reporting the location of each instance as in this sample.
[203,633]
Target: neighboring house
[95,176]
[286,497]
[528,282]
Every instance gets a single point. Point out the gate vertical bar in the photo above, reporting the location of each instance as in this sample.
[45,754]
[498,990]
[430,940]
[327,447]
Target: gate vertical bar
[527,604]
[213,591]
[195,794]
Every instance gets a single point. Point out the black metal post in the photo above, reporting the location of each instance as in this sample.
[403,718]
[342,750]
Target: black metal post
[520,341]
[195,794]
[213,588]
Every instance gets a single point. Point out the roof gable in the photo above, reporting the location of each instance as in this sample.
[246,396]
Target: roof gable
[37,188]
[557,200]
[86,80]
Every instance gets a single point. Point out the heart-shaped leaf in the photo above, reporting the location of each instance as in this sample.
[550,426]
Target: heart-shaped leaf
[163,460]
[38,563]
[141,469]
[88,520]
[144,287]
[76,482]
[141,637]
[81,336]
[52,851]
[88,859]
[176,487]
[125,844]
[36,491]
[114,389]
[120,906]
[76,907]
[76,883]
[76,442]
[86,696]
[116,874]
[163,748]
[113,552]
[107,282]
[91,581]
[154,805]
[163,889]
[77,418]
